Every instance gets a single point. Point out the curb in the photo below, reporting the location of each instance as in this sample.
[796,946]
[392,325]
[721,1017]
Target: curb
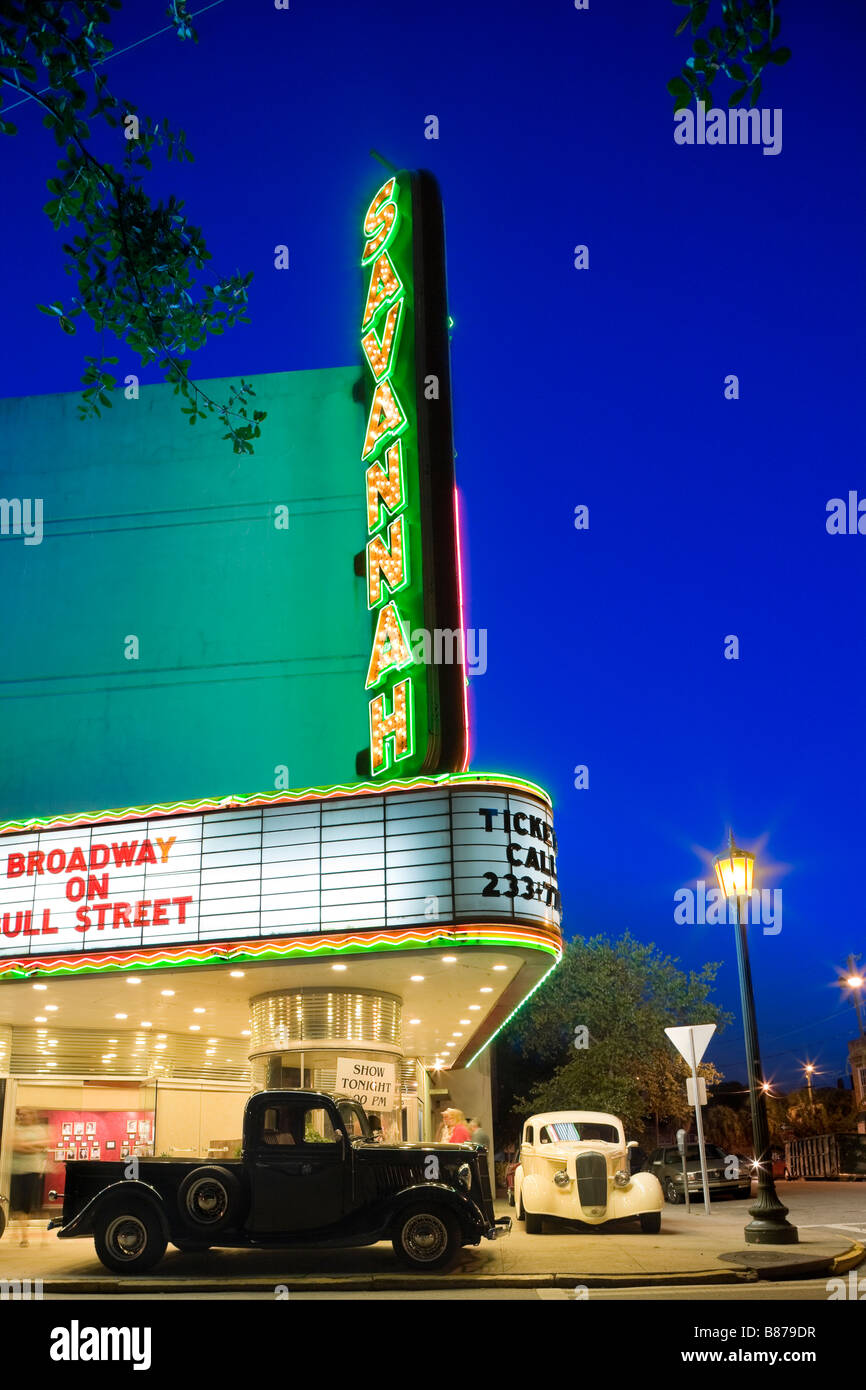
[831,1264]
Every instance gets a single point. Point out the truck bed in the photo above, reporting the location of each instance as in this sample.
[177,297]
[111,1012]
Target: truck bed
[86,1177]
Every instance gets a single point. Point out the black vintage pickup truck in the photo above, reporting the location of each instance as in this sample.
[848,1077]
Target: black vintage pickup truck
[311,1174]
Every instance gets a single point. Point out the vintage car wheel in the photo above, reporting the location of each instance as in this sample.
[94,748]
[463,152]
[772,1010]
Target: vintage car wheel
[129,1239]
[651,1222]
[209,1199]
[534,1223]
[671,1193]
[427,1237]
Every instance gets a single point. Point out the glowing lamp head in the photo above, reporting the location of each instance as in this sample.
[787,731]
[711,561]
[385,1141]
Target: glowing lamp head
[735,870]
[855,981]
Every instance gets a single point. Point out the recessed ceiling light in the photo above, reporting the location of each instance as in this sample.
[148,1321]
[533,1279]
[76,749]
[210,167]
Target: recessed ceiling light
[51,1008]
[211,1052]
[473,1008]
[40,986]
[448,960]
[500,967]
[195,1027]
[40,1018]
[51,1064]
[121,1015]
[52,1042]
[237,974]
[169,993]
[145,1023]
[211,1040]
[414,1020]
[133,980]
[466,1020]
[486,989]
[160,1047]
[457,1035]
[416,978]
[198,1011]
[338,966]
[245,1033]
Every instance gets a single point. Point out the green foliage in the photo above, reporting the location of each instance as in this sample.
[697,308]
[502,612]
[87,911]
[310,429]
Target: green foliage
[136,262]
[738,45]
[626,993]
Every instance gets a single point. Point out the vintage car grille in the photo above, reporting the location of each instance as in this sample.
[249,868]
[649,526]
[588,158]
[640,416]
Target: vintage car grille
[393,1177]
[592,1180]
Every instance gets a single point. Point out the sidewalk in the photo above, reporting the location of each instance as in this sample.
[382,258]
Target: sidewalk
[690,1249]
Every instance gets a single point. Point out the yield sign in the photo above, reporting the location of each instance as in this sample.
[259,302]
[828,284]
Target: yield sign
[701,1033]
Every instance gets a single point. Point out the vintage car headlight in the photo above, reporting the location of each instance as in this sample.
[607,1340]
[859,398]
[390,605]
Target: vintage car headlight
[464,1176]
[621,1178]
[561,1177]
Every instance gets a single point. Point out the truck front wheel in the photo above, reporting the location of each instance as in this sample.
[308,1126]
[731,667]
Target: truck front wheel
[427,1238]
[129,1239]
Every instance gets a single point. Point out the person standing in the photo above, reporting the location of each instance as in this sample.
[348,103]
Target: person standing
[28,1169]
[477,1135]
[459,1129]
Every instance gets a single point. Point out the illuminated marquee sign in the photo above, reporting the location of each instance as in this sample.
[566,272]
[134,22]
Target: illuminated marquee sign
[435,856]
[415,708]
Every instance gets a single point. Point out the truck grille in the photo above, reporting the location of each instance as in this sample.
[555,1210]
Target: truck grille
[393,1177]
[592,1180]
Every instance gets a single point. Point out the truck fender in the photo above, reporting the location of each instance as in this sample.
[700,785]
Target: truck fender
[84,1223]
[440,1193]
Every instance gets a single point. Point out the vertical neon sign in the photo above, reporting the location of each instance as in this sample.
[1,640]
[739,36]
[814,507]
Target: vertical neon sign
[415,704]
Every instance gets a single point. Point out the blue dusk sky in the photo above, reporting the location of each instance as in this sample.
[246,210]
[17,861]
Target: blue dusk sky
[601,387]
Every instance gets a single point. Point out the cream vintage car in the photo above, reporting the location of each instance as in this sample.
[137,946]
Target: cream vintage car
[574,1164]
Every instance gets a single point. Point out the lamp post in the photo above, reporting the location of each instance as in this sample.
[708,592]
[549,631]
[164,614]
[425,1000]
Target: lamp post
[855,982]
[768,1226]
[808,1069]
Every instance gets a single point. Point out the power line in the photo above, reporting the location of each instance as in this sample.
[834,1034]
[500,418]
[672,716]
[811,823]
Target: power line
[118,52]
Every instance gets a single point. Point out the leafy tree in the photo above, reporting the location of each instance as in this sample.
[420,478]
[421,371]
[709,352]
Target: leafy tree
[625,994]
[729,1128]
[739,46]
[136,262]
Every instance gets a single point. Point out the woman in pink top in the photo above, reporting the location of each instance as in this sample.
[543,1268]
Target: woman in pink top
[459,1129]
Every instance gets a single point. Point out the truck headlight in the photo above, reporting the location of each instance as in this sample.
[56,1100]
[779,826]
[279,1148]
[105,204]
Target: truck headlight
[621,1178]
[464,1176]
[561,1178]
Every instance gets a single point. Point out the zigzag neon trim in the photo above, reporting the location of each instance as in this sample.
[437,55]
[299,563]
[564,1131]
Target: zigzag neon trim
[228,803]
[279,948]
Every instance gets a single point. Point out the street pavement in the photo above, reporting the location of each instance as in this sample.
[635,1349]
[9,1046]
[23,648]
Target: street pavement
[692,1249]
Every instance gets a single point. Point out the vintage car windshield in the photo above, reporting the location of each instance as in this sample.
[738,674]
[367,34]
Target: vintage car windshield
[567,1132]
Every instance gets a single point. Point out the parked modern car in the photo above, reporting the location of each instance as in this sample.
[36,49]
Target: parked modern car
[311,1174]
[574,1164]
[724,1176]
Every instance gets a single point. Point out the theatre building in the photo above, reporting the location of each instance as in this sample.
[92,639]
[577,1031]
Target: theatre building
[300,881]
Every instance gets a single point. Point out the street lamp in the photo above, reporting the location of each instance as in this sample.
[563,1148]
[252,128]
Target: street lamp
[855,982]
[768,1226]
[808,1069]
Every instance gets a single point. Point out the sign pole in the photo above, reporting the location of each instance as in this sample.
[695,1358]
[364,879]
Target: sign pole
[700,1127]
[681,1144]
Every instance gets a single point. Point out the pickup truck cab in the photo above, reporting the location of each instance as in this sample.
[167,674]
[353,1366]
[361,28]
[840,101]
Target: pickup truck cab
[311,1174]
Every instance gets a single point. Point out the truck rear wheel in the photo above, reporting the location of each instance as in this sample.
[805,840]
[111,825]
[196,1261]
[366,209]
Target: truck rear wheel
[129,1239]
[209,1200]
[426,1237]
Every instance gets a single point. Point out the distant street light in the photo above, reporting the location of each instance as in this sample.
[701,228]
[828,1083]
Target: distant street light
[808,1069]
[768,1226]
[855,982]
